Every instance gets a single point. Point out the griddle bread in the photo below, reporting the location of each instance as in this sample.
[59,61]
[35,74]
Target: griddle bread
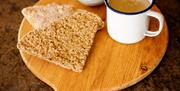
[66,42]
[41,16]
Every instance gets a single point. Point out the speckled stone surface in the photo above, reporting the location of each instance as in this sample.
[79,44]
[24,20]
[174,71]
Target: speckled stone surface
[14,75]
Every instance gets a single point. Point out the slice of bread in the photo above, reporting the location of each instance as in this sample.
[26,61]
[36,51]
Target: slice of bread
[66,42]
[42,15]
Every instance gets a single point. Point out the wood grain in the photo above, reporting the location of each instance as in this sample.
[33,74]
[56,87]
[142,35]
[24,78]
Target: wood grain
[110,65]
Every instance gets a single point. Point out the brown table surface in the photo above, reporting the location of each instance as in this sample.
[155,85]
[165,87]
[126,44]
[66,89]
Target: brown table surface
[14,75]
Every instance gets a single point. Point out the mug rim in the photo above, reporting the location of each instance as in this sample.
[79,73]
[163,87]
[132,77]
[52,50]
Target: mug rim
[133,13]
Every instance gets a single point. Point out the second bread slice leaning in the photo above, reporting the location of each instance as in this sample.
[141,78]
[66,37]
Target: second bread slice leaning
[66,42]
[42,15]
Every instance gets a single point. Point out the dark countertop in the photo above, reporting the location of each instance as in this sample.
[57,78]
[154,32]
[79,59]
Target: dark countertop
[14,75]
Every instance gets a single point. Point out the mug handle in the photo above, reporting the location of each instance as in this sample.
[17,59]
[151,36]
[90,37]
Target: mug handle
[161,23]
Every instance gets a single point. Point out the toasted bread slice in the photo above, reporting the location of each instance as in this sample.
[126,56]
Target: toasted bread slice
[66,42]
[43,15]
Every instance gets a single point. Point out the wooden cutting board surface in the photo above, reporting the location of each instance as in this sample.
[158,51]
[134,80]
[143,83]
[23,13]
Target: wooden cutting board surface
[110,65]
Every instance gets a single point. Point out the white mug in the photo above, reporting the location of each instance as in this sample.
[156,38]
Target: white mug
[131,28]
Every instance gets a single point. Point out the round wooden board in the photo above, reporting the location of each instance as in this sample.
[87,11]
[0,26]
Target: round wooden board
[110,65]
